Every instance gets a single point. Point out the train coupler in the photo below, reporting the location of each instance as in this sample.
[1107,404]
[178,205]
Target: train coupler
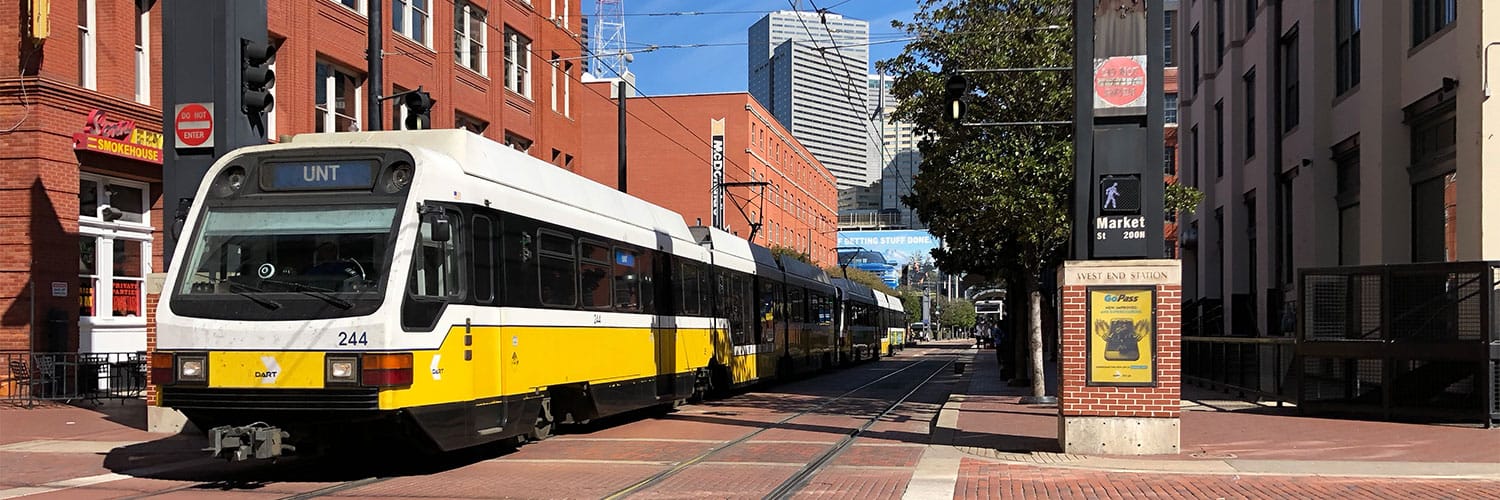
[257,440]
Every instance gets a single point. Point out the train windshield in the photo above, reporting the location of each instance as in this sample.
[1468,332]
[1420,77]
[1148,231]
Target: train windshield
[328,256]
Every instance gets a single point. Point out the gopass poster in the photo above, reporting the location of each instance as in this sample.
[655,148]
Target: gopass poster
[1122,336]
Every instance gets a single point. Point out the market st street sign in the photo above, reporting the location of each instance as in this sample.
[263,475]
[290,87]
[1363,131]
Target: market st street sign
[118,138]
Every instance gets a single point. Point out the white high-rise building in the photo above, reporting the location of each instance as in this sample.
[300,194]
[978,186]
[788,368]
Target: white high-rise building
[897,154]
[809,70]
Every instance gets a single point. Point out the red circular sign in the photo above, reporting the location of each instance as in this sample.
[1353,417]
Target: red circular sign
[194,125]
[1120,81]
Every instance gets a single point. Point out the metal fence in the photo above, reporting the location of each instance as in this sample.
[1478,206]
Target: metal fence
[68,376]
[1414,341]
[1258,366]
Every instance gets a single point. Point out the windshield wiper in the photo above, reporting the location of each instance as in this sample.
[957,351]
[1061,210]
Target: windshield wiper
[315,292]
[264,302]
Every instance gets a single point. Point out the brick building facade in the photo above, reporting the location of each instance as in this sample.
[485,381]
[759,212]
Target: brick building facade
[80,122]
[670,157]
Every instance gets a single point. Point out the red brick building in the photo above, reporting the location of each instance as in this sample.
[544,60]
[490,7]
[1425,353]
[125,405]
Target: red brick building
[668,141]
[80,122]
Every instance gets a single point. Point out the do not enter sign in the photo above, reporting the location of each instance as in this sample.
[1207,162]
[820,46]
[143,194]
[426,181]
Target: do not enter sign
[1120,82]
[194,125]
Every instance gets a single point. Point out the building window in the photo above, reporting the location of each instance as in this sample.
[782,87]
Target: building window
[1219,138]
[470,123]
[1251,9]
[1252,255]
[1429,17]
[517,63]
[1346,38]
[1346,170]
[338,99]
[412,19]
[469,37]
[87,62]
[143,58]
[1169,109]
[560,13]
[1169,160]
[114,247]
[1169,56]
[1290,97]
[354,5]
[521,144]
[567,85]
[1249,79]
[1197,148]
[1432,174]
[1197,61]
[1219,31]
[556,68]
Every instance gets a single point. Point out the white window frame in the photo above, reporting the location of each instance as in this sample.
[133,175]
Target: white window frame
[360,6]
[88,57]
[554,63]
[407,8]
[330,117]
[143,58]
[517,63]
[568,89]
[560,17]
[105,235]
[463,53]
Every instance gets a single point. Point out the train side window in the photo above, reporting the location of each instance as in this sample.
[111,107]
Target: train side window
[558,280]
[646,269]
[687,288]
[796,307]
[769,312]
[484,259]
[435,269]
[593,274]
[627,280]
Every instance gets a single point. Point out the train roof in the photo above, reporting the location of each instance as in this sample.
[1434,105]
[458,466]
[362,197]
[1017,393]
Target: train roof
[805,274]
[855,290]
[728,250]
[481,157]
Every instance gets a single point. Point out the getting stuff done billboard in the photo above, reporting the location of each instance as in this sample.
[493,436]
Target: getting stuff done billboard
[885,252]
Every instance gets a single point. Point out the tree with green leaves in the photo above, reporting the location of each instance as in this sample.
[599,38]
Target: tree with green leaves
[958,313]
[998,196]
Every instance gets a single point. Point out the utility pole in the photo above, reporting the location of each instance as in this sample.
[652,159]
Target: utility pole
[622,95]
[374,59]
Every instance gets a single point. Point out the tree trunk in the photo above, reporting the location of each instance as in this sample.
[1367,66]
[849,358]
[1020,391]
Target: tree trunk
[1038,375]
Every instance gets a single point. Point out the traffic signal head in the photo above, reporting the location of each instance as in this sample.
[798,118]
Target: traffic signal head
[418,105]
[956,88]
[256,77]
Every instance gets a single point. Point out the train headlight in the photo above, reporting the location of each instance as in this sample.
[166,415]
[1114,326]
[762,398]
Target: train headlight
[342,370]
[229,181]
[192,369]
[397,177]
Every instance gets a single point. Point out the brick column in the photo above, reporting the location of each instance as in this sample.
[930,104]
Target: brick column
[151,300]
[1105,417]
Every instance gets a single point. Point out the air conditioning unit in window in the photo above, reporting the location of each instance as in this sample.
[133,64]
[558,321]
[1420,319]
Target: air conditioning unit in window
[558,21]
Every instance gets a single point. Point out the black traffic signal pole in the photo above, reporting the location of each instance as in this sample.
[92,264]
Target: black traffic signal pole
[212,53]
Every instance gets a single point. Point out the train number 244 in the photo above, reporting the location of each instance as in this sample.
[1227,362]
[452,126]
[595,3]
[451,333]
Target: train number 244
[353,339]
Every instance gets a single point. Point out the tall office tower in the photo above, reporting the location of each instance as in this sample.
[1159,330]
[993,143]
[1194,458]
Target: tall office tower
[809,70]
[897,154]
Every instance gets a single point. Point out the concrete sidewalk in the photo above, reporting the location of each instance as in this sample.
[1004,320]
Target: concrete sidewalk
[1220,435]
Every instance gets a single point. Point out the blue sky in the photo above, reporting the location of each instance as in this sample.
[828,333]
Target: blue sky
[723,68]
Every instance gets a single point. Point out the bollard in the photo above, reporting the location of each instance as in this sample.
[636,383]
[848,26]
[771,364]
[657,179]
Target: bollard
[958,368]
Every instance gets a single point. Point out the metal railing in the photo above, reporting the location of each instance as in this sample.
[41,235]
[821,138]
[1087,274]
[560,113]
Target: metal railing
[1258,366]
[67,376]
[1412,341]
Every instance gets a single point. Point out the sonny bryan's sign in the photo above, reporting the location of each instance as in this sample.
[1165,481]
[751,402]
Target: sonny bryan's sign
[1122,336]
[119,138]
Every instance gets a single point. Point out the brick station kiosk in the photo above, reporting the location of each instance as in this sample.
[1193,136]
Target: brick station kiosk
[1121,357]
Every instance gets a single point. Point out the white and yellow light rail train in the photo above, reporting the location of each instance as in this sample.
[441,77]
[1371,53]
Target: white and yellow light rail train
[443,288]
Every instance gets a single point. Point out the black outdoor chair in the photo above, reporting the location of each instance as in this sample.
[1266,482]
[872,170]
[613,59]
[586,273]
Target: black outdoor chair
[23,376]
